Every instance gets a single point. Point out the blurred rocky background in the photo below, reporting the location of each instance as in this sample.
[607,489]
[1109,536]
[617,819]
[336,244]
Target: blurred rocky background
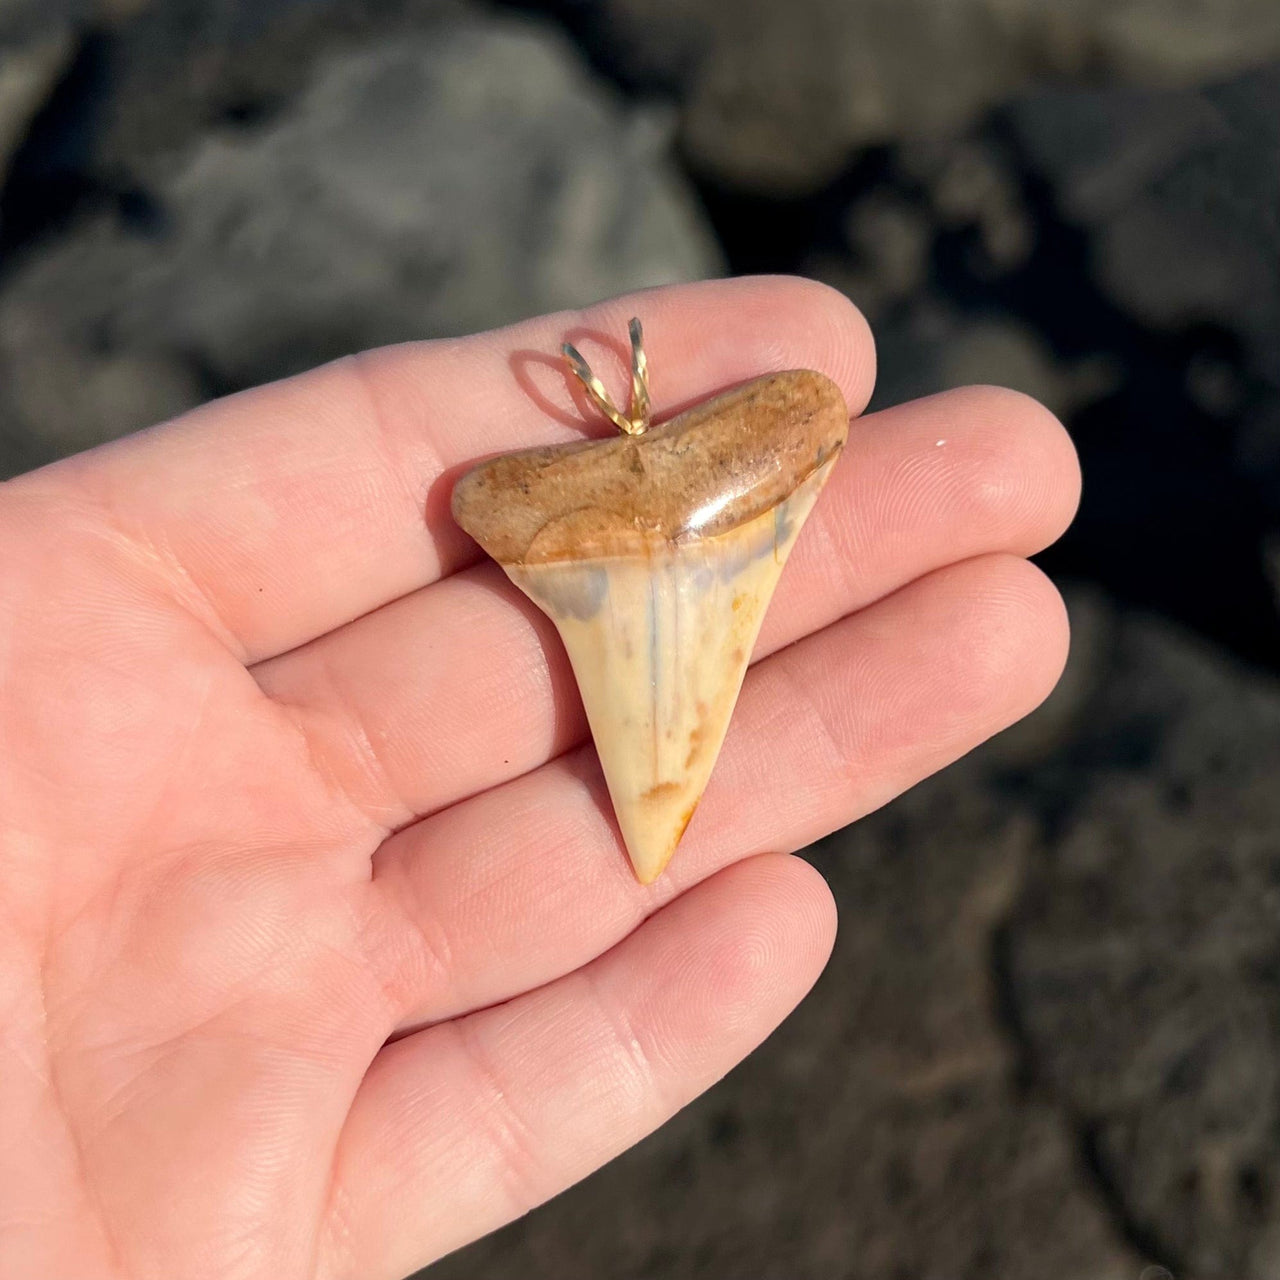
[1048,1044]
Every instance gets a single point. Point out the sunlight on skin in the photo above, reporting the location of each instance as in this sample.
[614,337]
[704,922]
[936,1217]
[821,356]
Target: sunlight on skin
[319,955]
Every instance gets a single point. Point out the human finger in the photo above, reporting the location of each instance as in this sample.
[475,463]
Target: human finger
[463,685]
[285,511]
[463,1126]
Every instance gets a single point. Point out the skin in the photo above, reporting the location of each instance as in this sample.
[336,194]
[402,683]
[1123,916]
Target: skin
[319,954]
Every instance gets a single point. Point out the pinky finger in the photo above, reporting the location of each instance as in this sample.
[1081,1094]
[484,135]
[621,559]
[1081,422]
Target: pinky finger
[468,1124]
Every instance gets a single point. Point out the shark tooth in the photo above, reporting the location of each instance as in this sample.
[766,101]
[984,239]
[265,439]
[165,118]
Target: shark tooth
[656,553]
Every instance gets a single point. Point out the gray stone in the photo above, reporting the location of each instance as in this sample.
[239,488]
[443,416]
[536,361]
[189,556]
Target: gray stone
[777,96]
[32,58]
[1145,952]
[881,1132]
[419,188]
[1159,43]
[64,391]
[178,68]
[31,21]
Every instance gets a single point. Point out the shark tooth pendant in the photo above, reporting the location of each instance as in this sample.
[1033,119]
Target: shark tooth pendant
[656,553]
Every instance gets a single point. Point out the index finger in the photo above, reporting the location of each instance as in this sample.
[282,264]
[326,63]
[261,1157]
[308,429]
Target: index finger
[283,512]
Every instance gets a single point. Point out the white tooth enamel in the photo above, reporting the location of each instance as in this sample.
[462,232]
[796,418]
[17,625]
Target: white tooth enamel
[659,645]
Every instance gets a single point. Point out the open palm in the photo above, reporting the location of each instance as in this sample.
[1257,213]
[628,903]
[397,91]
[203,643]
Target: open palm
[319,953]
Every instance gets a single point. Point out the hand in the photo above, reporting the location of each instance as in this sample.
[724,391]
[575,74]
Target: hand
[319,953]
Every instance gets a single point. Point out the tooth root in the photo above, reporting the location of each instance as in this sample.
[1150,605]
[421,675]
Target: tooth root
[660,643]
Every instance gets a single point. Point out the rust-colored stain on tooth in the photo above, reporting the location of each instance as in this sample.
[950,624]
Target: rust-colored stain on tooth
[688,817]
[662,791]
[697,740]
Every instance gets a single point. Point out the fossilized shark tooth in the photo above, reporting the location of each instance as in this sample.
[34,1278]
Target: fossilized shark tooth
[656,553]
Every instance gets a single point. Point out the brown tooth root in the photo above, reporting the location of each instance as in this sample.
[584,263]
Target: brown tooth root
[656,556]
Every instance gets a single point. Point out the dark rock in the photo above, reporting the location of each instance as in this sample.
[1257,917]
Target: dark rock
[1271,564]
[1145,953]
[776,97]
[25,21]
[1163,230]
[881,1132]
[177,68]
[1182,192]
[969,184]
[929,346]
[883,259]
[36,47]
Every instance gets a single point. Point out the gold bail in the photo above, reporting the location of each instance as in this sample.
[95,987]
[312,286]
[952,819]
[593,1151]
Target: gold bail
[635,422]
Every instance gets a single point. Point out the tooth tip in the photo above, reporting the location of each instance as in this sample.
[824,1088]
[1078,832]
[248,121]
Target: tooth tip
[651,840]
[649,866]
[650,861]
